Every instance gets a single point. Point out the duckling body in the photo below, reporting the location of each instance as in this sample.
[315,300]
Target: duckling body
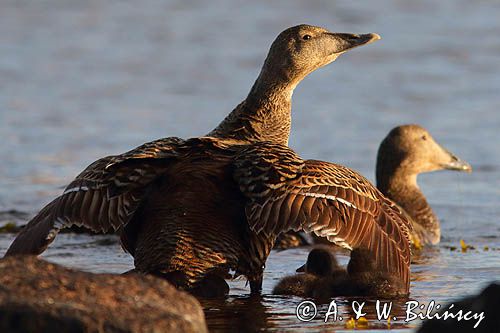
[362,278]
[302,285]
[365,279]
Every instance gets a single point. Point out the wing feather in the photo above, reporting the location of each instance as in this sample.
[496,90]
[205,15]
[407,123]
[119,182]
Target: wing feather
[102,198]
[286,193]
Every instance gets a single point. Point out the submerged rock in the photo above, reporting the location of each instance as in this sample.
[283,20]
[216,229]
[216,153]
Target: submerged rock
[9,227]
[37,296]
[481,311]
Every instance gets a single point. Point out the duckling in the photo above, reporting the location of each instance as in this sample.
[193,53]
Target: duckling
[321,264]
[406,152]
[365,279]
[324,278]
[482,308]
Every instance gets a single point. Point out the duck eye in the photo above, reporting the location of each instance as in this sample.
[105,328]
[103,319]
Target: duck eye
[424,137]
[306,37]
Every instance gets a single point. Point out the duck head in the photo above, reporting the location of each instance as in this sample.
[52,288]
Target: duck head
[301,49]
[412,148]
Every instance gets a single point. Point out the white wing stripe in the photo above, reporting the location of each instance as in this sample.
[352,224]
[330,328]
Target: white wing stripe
[75,189]
[328,197]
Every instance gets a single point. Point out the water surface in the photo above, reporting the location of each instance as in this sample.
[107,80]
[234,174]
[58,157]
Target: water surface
[81,80]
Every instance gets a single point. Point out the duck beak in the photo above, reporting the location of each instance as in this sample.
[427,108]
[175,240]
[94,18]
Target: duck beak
[350,41]
[456,164]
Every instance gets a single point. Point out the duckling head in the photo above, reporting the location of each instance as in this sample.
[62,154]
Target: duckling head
[411,148]
[320,262]
[299,50]
[365,278]
[362,261]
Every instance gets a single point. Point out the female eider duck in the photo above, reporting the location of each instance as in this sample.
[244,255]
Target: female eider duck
[406,152]
[187,209]
[324,278]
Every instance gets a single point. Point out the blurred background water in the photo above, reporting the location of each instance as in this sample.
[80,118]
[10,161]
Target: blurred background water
[83,79]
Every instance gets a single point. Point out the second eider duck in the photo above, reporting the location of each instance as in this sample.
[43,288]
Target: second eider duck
[406,152]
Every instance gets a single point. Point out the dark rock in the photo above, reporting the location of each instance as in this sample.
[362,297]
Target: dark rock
[37,296]
[12,219]
[488,302]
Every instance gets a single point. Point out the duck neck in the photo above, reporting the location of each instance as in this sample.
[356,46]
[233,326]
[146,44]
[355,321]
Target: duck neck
[265,115]
[402,188]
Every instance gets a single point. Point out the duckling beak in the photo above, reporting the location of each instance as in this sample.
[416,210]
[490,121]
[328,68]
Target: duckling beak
[301,269]
[350,41]
[456,164]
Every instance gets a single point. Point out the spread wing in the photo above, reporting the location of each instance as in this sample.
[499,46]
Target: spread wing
[287,193]
[103,197]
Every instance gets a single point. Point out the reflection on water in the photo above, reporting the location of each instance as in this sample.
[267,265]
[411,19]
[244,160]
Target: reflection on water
[438,274]
[81,80]
[251,313]
[241,313]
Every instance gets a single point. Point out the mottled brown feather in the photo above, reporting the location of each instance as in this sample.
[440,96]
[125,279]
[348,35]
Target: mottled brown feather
[131,190]
[327,199]
[100,198]
[210,205]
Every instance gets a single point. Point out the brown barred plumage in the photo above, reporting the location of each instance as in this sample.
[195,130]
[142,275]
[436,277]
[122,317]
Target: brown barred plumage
[325,198]
[218,205]
[103,197]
